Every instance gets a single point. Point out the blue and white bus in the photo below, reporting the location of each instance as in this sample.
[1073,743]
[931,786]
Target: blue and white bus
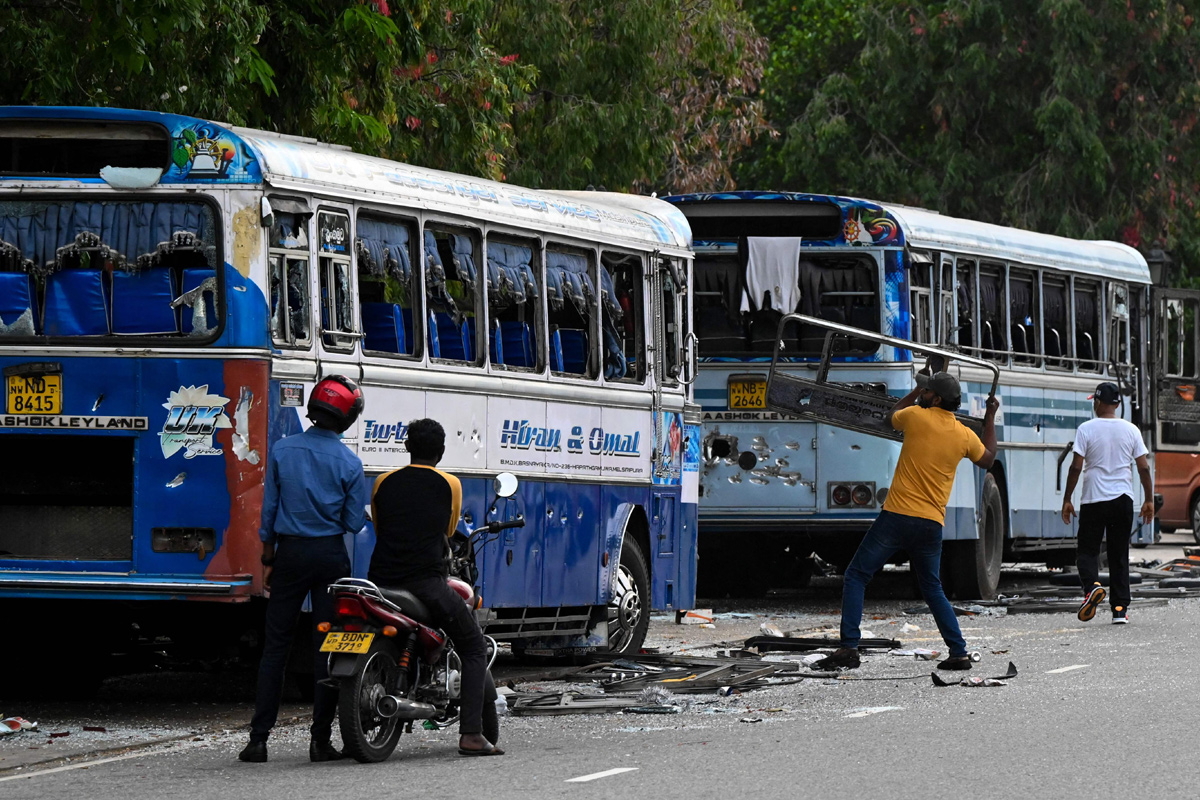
[171,288]
[1057,316]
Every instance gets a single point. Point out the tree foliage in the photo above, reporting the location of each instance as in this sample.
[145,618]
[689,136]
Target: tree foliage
[633,93]
[1054,115]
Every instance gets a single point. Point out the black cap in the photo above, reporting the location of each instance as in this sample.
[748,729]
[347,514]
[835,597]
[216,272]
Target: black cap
[943,384]
[1107,393]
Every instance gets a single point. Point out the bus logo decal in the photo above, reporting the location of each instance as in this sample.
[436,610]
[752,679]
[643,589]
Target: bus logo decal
[627,445]
[193,417]
[518,434]
[374,431]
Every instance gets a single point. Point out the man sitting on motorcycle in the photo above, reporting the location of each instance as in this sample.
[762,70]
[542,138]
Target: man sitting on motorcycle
[415,510]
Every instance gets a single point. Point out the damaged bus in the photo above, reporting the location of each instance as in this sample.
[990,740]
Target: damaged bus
[1055,316]
[170,290]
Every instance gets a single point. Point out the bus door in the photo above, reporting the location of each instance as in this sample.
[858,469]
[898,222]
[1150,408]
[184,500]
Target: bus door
[671,375]
[1175,370]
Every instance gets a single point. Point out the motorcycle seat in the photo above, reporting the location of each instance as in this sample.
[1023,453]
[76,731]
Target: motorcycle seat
[409,603]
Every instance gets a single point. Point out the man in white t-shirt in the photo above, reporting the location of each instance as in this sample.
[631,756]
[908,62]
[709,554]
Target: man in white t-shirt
[1105,449]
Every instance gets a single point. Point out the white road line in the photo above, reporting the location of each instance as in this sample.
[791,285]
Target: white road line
[866,712]
[81,765]
[1067,669]
[598,775]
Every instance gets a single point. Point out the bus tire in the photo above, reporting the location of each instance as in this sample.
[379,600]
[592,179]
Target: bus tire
[975,564]
[629,608]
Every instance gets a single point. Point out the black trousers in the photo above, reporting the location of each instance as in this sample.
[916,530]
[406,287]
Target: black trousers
[1113,518]
[450,613]
[302,566]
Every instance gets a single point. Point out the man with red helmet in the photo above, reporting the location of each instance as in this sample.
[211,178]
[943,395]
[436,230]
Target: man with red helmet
[314,493]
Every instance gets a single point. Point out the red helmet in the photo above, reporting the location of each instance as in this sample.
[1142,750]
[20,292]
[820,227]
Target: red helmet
[335,402]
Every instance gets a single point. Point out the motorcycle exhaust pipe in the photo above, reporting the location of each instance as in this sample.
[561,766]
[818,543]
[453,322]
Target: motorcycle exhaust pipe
[391,706]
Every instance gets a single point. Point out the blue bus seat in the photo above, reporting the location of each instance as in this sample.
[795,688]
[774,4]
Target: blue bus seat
[76,303]
[431,331]
[191,279]
[17,298]
[516,340]
[573,350]
[452,340]
[556,360]
[141,302]
[384,328]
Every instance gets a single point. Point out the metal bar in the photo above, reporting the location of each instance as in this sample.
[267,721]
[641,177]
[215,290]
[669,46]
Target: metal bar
[23,583]
[902,344]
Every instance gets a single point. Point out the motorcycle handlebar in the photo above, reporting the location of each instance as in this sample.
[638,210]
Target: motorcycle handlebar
[496,527]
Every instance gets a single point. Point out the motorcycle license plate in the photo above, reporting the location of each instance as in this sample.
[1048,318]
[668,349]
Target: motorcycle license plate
[345,642]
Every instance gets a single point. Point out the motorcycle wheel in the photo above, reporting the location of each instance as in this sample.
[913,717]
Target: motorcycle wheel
[367,736]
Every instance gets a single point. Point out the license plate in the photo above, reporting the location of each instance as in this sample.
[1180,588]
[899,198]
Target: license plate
[747,393]
[34,394]
[347,642]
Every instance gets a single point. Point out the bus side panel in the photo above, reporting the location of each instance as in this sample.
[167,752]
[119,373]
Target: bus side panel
[572,544]
[510,565]
[1022,422]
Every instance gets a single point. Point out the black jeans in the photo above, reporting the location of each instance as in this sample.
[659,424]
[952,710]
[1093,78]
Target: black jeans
[450,613]
[302,566]
[1114,518]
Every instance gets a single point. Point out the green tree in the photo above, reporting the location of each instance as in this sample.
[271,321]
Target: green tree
[416,81]
[1054,115]
[632,94]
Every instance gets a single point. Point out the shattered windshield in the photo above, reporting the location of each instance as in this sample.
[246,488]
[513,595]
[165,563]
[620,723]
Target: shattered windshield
[108,269]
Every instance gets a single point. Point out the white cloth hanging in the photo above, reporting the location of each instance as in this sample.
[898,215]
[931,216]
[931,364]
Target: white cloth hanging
[773,268]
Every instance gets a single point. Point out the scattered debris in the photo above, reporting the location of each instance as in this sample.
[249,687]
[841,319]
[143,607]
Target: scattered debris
[919,653]
[16,725]
[768,644]
[694,617]
[999,680]
[771,630]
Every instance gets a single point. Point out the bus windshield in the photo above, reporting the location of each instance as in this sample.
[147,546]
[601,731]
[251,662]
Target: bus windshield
[107,268]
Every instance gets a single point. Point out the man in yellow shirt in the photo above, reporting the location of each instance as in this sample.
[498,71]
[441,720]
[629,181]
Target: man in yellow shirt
[915,510]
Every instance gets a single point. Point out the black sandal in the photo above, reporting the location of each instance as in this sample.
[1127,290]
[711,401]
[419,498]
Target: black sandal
[490,750]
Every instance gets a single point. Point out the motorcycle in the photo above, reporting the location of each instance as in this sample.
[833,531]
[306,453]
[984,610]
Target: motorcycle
[391,666]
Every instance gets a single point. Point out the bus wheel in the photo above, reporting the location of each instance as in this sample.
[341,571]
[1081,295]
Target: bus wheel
[975,565]
[1194,516]
[629,608]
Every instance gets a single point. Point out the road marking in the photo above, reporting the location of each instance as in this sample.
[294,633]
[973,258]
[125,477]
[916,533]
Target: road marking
[866,712]
[81,765]
[598,775]
[1067,669]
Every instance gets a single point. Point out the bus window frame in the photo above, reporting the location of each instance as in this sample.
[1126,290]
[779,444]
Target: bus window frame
[971,267]
[1122,322]
[1032,359]
[915,293]
[945,319]
[1066,361]
[450,226]
[665,285]
[536,243]
[1094,286]
[594,331]
[416,262]
[297,254]
[332,339]
[641,326]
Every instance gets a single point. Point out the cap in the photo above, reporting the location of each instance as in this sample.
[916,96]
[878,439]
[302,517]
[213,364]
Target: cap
[1107,393]
[943,384]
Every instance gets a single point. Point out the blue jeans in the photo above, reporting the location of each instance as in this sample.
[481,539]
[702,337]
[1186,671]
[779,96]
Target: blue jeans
[889,534]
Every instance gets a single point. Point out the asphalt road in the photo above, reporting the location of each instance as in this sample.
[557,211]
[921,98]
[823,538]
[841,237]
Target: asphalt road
[1096,709]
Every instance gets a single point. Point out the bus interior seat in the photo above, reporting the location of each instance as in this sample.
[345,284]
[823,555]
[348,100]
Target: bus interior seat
[451,340]
[193,278]
[572,350]
[18,299]
[516,340]
[141,301]
[718,333]
[76,303]
[494,353]
[1085,323]
[383,326]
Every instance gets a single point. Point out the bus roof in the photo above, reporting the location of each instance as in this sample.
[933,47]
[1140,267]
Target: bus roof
[922,228]
[197,151]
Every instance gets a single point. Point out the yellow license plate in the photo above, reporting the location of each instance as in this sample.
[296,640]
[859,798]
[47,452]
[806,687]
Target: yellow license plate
[747,394]
[34,394]
[347,642]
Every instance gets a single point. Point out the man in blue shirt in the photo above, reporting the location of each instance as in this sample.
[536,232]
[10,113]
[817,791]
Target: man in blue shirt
[314,493]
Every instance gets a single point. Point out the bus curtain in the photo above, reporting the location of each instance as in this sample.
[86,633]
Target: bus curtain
[383,249]
[567,278]
[40,229]
[462,251]
[510,276]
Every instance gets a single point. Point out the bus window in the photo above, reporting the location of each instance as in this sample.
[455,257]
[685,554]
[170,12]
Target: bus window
[387,286]
[992,314]
[717,305]
[514,303]
[965,294]
[843,289]
[1118,330]
[1087,325]
[290,288]
[623,323]
[452,296]
[1057,331]
[337,294]
[572,308]
[920,299]
[670,335]
[1024,313]
[945,289]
